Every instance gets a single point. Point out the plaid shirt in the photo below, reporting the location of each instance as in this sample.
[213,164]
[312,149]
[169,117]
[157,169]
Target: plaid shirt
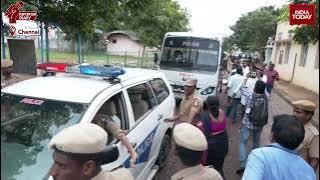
[248,98]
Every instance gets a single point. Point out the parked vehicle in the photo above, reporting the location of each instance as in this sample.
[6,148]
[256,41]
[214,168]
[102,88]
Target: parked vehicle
[186,55]
[33,111]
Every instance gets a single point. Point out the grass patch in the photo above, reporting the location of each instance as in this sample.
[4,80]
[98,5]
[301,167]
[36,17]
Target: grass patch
[95,58]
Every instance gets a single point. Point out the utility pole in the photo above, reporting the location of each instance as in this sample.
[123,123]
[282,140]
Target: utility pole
[2,40]
[79,48]
[46,26]
[41,42]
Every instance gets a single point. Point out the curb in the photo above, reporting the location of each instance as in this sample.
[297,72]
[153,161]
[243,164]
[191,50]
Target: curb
[283,96]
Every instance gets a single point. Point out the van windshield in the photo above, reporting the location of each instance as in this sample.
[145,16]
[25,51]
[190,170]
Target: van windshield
[190,54]
[27,125]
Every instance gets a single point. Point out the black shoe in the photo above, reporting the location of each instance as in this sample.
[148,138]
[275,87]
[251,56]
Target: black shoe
[240,171]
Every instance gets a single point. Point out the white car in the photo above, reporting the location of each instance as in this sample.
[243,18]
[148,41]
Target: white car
[33,111]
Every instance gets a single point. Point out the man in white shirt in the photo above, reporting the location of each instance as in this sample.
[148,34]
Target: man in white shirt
[251,82]
[245,68]
[233,94]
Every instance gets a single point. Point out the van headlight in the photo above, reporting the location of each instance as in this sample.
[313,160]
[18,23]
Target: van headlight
[207,91]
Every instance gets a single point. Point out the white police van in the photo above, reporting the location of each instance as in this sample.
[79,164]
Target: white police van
[32,111]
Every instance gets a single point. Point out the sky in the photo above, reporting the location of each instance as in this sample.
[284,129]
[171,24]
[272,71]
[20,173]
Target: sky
[216,16]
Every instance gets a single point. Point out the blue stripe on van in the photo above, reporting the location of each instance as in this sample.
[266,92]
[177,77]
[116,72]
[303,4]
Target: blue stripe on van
[143,150]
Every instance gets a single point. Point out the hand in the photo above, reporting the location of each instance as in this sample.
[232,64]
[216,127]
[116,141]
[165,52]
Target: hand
[247,75]
[168,120]
[133,159]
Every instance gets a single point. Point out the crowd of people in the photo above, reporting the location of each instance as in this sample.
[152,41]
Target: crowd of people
[294,140]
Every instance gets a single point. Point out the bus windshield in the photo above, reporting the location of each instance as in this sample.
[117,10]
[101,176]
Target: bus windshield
[190,54]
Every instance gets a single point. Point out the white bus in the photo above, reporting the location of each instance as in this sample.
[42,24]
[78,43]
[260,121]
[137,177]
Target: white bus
[186,55]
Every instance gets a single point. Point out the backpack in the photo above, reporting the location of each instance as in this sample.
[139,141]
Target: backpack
[258,115]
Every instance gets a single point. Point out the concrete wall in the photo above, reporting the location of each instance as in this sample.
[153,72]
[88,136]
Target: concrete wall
[124,44]
[23,55]
[306,76]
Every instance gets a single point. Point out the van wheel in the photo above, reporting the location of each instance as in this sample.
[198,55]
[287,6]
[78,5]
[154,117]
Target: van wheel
[164,150]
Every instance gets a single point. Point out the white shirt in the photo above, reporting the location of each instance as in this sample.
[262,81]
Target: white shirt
[233,84]
[245,71]
[251,82]
[264,78]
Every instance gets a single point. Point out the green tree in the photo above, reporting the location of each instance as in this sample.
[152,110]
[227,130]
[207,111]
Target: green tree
[155,19]
[306,34]
[150,19]
[303,34]
[227,43]
[251,31]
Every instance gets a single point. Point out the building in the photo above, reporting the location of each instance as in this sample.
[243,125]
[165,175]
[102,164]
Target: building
[296,63]
[124,43]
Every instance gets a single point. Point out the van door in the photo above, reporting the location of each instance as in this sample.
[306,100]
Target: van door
[143,126]
[115,109]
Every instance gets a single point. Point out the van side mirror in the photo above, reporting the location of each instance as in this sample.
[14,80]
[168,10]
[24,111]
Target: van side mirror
[156,58]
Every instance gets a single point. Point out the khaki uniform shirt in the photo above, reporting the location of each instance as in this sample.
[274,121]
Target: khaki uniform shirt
[118,174]
[14,79]
[188,103]
[197,173]
[309,148]
[107,124]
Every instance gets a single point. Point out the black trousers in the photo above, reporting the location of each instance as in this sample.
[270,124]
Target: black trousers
[217,151]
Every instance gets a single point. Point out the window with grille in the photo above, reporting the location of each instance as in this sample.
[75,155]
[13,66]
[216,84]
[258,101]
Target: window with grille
[303,55]
[287,53]
[280,57]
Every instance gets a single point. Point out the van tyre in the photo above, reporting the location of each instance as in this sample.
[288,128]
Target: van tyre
[164,150]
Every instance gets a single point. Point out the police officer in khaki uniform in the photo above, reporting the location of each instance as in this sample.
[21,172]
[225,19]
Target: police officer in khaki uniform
[309,148]
[111,127]
[190,143]
[191,104]
[7,75]
[77,154]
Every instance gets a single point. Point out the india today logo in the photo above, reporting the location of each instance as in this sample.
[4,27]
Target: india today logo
[15,14]
[302,14]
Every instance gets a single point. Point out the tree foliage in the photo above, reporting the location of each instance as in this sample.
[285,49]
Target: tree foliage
[251,31]
[155,19]
[227,43]
[303,34]
[306,34]
[150,19]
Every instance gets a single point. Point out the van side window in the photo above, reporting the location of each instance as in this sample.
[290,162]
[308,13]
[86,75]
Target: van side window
[141,99]
[160,89]
[112,116]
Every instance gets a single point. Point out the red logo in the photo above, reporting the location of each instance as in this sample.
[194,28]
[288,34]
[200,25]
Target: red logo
[302,14]
[12,30]
[14,13]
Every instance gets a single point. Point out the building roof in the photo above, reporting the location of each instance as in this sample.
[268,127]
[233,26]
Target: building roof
[132,35]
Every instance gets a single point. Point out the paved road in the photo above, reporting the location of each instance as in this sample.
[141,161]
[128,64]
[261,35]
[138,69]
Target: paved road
[276,106]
